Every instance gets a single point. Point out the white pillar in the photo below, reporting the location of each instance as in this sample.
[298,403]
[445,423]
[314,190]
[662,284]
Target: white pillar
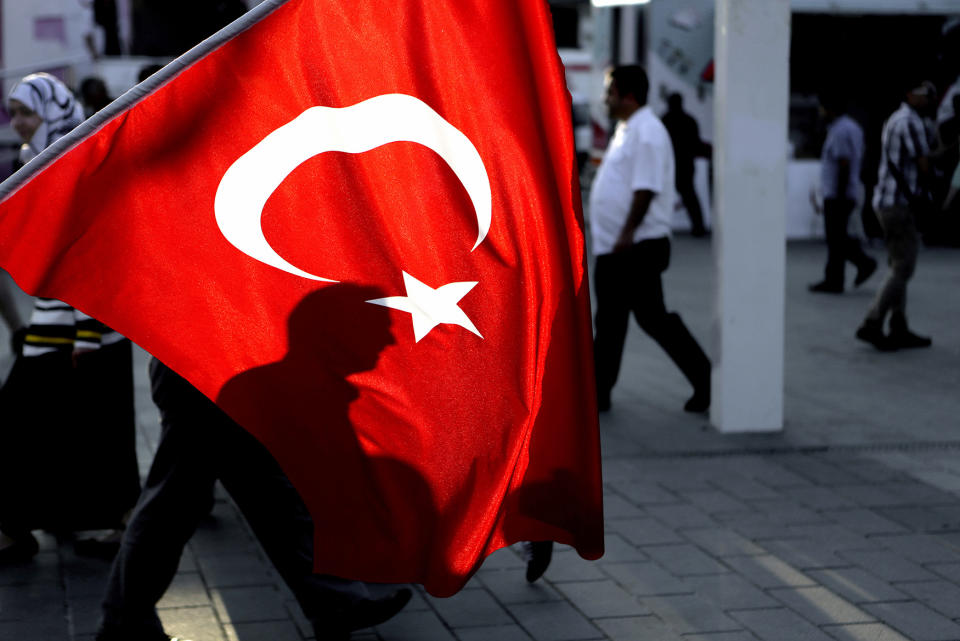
[750,162]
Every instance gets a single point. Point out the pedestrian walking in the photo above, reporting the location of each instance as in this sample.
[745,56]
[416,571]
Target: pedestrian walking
[840,163]
[67,439]
[899,199]
[687,146]
[631,205]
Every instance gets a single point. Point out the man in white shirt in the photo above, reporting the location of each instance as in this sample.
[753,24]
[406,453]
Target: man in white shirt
[631,205]
[840,163]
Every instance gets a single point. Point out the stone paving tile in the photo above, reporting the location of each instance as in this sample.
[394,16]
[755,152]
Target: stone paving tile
[949,571]
[249,604]
[510,586]
[768,571]
[730,592]
[684,560]
[887,565]
[648,628]
[915,620]
[511,632]
[265,631]
[833,537]
[918,519]
[235,570]
[680,516]
[43,568]
[616,507]
[756,526]
[864,632]
[646,578]
[192,623]
[779,624]
[644,494]
[919,548]
[616,549]
[603,599]
[44,599]
[85,615]
[554,621]
[787,512]
[805,555]
[83,577]
[744,488]
[722,542]
[820,606]
[867,469]
[716,502]
[942,596]
[818,498]
[34,630]
[422,625]
[567,565]
[722,636]
[818,471]
[770,472]
[690,613]
[186,590]
[864,521]
[857,585]
[470,607]
[918,493]
[645,531]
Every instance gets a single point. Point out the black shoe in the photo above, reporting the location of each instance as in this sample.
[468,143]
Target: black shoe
[865,272]
[698,403]
[823,287]
[24,549]
[539,554]
[603,403]
[905,339]
[364,613]
[114,635]
[872,332]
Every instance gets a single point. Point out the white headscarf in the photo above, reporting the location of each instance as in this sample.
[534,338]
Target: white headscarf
[50,99]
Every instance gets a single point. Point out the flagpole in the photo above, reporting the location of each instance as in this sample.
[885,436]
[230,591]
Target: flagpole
[135,94]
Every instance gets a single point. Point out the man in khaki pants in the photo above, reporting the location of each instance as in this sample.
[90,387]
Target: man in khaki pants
[901,186]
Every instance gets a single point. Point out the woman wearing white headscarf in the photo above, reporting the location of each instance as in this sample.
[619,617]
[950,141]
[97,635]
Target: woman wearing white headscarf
[67,423]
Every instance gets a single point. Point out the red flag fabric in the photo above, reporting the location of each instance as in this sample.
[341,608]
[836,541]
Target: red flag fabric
[356,226]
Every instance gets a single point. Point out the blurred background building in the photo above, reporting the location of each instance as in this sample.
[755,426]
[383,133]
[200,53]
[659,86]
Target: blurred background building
[866,46]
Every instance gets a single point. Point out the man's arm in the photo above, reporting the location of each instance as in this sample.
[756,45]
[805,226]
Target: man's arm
[638,209]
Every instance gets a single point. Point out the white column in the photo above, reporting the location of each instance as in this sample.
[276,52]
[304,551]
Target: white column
[750,161]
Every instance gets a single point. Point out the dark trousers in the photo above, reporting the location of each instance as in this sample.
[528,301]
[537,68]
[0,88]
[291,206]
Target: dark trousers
[691,202]
[841,247]
[631,282]
[200,444]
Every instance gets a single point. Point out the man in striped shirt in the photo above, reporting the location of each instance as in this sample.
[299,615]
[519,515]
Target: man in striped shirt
[898,199]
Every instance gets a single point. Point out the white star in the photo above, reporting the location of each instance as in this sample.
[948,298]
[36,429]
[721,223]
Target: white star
[430,307]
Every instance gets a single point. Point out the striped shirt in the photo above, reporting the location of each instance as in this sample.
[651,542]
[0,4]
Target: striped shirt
[903,141]
[57,327]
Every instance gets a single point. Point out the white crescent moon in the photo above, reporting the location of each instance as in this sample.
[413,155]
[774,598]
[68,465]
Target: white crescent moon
[251,179]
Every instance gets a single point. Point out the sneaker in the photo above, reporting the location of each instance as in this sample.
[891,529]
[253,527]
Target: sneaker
[865,272]
[823,287]
[905,339]
[872,332]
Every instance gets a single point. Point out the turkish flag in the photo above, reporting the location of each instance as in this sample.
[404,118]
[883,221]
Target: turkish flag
[356,226]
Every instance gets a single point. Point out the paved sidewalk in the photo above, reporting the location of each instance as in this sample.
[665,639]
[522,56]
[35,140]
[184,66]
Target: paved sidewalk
[846,526]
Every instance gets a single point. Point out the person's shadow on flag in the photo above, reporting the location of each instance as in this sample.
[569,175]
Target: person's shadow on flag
[373,515]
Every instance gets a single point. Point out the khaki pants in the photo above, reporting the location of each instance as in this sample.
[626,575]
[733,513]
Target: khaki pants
[900,232]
